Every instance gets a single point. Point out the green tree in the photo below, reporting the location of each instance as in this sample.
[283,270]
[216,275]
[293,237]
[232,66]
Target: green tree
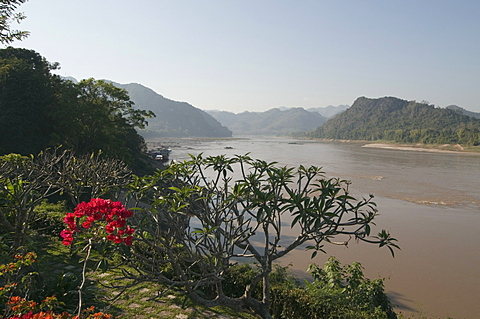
[25,96]
[39,110]
[7,16]
[196,226]
[95,115]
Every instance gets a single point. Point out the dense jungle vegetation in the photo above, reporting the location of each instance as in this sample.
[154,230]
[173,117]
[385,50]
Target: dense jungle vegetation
[392,119]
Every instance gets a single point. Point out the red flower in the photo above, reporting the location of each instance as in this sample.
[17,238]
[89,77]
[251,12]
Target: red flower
[86,224]
[126,213]
[128,240]
[98,209]
[129,230]
[109,228]
[67,241]
[120,223]
[66,233]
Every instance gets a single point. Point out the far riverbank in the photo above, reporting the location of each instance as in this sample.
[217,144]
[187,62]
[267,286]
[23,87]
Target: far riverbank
[417,147]
[447,148]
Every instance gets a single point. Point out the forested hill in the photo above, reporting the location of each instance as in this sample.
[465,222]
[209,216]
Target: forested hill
[272,122]
[178,119]
[402,121]
[463,111]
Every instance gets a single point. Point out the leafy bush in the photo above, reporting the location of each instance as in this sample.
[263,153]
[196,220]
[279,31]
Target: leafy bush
[336,292]
[48,217]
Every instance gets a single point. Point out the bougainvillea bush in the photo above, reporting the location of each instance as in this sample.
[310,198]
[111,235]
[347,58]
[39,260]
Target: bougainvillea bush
[105,218]
[97,220]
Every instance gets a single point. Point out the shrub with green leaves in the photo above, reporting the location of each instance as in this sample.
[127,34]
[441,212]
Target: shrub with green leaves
[337,292]
[49,217]
[219,210]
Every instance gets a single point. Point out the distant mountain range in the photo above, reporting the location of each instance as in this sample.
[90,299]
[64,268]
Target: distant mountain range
[180,119]
[329,111]
[177,119]
[393,119]
[387,118]
[272,122]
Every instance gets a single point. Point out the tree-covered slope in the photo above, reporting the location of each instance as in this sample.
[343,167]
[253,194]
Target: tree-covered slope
[401,121]
[463,111]
[272,122]
[173,118]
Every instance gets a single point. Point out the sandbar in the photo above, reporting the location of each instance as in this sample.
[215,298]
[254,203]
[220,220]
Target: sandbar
[416,149]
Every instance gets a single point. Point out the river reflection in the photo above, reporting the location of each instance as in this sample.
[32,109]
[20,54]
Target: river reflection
[429,201]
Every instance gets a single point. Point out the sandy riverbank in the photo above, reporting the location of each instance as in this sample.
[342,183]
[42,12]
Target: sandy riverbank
[401,147]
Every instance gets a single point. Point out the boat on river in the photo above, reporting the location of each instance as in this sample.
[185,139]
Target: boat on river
[161,154]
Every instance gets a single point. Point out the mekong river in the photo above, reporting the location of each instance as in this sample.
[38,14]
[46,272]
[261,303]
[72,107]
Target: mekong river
[429,201]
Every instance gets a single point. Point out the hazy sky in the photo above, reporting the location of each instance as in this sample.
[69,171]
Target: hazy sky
[258,54]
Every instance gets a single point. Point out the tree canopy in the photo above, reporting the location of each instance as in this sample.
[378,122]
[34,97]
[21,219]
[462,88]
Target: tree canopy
[39,110]
[7,16]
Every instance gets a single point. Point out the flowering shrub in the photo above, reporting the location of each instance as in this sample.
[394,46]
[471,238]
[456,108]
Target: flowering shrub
[20,261]
[113,214]
[25,309]
[12,273]
[15,307]
[105,219]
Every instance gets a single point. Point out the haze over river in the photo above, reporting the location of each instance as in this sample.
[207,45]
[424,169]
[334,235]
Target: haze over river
[429,201]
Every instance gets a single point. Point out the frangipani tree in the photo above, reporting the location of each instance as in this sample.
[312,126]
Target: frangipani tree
[202,219]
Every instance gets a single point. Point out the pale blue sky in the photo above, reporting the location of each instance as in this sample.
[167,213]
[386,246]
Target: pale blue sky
[257,54]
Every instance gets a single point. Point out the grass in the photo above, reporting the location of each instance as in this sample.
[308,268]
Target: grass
[143,301]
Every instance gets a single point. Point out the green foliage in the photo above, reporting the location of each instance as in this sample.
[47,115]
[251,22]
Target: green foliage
[24,99]
[16,278]
[7,16]
[108,121]
[197,226]
[402,122]
[337,292]
[206,213]
[25,182]
[29,286]
[48,218]
[40,110]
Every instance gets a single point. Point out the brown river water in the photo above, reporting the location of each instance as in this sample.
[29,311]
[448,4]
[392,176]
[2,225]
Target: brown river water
[429,201]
